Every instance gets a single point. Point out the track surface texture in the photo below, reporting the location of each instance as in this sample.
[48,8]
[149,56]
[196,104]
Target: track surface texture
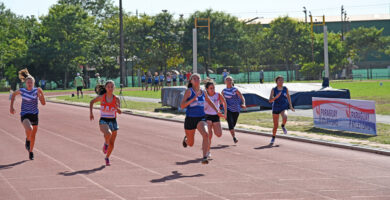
[149,162]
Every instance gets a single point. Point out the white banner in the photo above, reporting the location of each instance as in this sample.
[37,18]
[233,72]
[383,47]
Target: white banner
[345,115]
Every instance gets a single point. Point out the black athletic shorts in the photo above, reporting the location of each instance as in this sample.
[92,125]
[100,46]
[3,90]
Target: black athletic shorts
[190,123]
[232,118]
[32,117]
[80,88]
[213,118]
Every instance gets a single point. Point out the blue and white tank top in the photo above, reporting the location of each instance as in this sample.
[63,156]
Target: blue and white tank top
[156,78]
[233,101]
[196,108]
[181,77]
[29,101]
[143,78]
[149,79]
[282,101]
[161,77]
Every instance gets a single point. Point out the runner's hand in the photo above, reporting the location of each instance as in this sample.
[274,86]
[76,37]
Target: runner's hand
[12,110]
[292,109]
[91,117]
[243,106]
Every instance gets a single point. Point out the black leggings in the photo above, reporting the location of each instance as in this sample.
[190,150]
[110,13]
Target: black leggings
[232,119]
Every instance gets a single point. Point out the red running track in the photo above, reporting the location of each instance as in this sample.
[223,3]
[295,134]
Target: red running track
[149,162]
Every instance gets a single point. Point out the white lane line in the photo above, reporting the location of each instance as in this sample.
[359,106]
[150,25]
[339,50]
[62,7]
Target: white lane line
[154,185]
[365,197]
[12,187]
[169,197]
[134,164]
[67,167]
[56,188]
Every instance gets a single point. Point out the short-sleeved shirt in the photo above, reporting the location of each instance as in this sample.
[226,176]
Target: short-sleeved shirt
[79,81]
[233,101]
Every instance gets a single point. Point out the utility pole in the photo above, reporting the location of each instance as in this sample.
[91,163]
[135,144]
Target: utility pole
[194,51]
[121,63]
[342,23]
[305,11]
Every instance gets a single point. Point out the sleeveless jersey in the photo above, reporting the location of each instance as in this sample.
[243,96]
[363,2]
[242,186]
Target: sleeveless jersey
[29,101]
[282,101]
[233,101]
[108,110]
[208,109]
[196,108]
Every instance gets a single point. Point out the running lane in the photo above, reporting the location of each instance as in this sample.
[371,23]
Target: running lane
[149,162]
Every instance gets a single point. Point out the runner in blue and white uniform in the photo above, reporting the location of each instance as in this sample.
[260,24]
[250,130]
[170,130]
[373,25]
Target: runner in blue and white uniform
[29,111]
[181,78]
[194,100]
[281,102]
[156,81]
[235,101]
[149,79]
[162,78]
[143,80]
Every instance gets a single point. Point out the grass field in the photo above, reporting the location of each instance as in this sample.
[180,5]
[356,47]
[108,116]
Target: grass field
[134,105]
[305,124]
[140,93]
[368,90]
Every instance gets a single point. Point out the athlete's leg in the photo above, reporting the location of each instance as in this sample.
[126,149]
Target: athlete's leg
[105,129]
[275,118]
[284,117]
[202,128]
[28,128]
[190,137]
[217,129]
[210,132]
[111,143]
[32,137]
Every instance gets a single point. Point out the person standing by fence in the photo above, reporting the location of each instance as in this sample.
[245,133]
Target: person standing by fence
[79,83]
[261,76]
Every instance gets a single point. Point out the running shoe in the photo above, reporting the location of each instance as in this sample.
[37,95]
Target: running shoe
[185,142]
[205,161]
[284,130]
[27,145]
[105,147]
[235,140]
[208,155]
[107,162]
[272,141]
[31,156]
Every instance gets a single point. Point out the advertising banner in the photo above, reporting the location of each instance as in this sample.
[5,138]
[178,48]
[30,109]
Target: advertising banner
[345,114]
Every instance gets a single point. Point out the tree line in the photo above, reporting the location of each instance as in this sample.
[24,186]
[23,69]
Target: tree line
[76,35]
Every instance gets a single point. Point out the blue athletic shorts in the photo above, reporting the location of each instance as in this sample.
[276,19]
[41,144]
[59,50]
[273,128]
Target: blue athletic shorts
[111,122]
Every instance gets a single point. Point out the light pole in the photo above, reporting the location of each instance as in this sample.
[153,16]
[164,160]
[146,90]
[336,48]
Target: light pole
[121,63]
[305,11]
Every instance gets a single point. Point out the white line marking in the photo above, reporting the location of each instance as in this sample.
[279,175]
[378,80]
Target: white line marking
[12,187]
[154,185]
[132,163]
[170,197]
[67,167]
[57,188]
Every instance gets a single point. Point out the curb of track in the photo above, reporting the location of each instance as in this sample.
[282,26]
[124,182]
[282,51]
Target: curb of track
[289,137]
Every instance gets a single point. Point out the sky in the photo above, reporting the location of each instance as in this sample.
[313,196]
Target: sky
[241,8]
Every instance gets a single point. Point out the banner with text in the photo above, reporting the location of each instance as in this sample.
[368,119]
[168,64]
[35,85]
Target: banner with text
[345,114]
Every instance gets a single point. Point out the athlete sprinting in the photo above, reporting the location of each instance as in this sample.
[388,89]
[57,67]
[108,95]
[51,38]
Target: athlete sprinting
[109,106]
[212,117]
[281,102]
[29,111]
[194,100]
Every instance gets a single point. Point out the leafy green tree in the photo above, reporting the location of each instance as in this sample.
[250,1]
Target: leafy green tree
[362,42]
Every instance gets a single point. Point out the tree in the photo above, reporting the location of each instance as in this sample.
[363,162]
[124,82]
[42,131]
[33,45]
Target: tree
[288,40]
[363,41]
[68,29]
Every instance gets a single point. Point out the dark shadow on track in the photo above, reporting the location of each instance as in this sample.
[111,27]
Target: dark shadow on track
[175,175]
[220,147]
[85,172]
[268,146]
[197,160]
[8,166]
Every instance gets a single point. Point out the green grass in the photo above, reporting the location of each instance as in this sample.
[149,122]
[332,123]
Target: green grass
[134,105]
[369,90]
[295,123]
[305,124]
[145,94]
